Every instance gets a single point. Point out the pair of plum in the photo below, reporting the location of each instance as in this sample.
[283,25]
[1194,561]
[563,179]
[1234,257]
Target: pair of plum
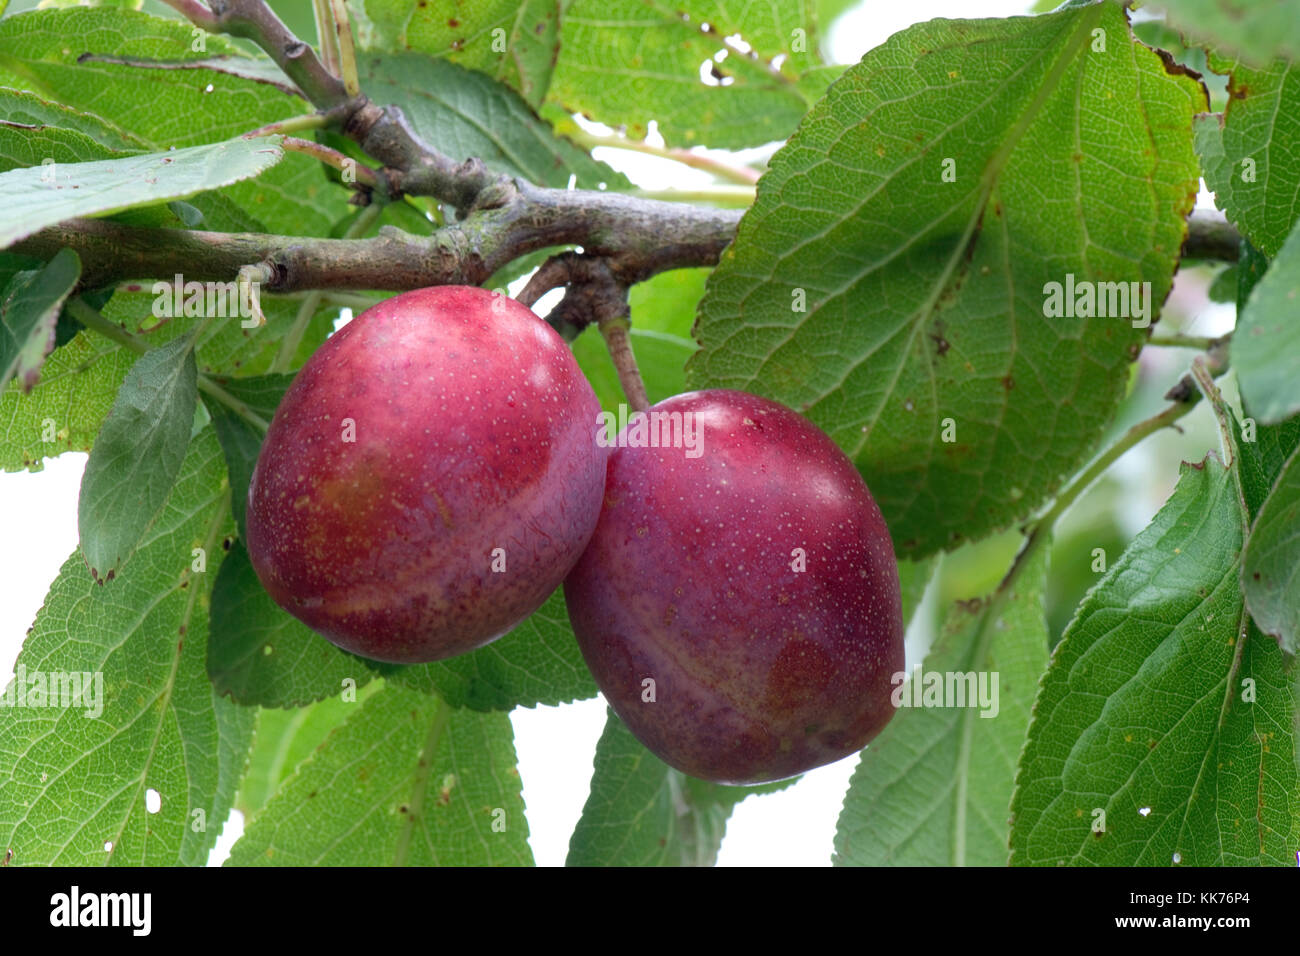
[438,468]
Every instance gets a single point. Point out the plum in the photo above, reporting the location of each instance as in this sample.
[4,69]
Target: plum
[739,602]
[429,478]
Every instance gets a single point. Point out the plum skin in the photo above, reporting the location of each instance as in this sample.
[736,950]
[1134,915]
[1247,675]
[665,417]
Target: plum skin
[760,671]
[474,429]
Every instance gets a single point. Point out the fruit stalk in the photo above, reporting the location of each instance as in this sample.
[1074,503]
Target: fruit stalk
[619,343]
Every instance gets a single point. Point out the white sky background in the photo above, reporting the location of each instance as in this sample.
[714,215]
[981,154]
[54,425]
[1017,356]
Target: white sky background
[555,744]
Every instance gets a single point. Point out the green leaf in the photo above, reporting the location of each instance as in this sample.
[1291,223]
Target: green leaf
[467,114]
[29,313]
[641,812]
[70,786]
[69,403]
[514,41]
[90,59]
[1158,34]
[1257,29]
[261,654]
[668,302]
[1266,343]
[536,663]
[66,408]
[406,781]
[1270,571]
[137,456]
[934,788]
[1163,731]
[33,131]
[240,439]
[43,196]
[224,347]
[627,62]
[1263,453]
[284,739]
[927,349]
[1248,152]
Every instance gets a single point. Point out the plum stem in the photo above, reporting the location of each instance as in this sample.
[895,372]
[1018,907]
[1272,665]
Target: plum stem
[595,292]
[617,338]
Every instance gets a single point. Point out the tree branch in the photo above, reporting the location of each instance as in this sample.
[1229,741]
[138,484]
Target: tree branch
[1211,236]
[255,20]
[500,219]
[638,238]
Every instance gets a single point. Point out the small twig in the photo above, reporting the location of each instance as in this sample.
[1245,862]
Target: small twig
[1040,532]
[594,294]
[619,343]
[551,274]
[347,57]
[1181,340]
[328,39]
[743,175]
[255,20]
[1216,359]
[1204,378]
[294,124]
[196,13]
[721,195]
[593,291]
[365,176]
